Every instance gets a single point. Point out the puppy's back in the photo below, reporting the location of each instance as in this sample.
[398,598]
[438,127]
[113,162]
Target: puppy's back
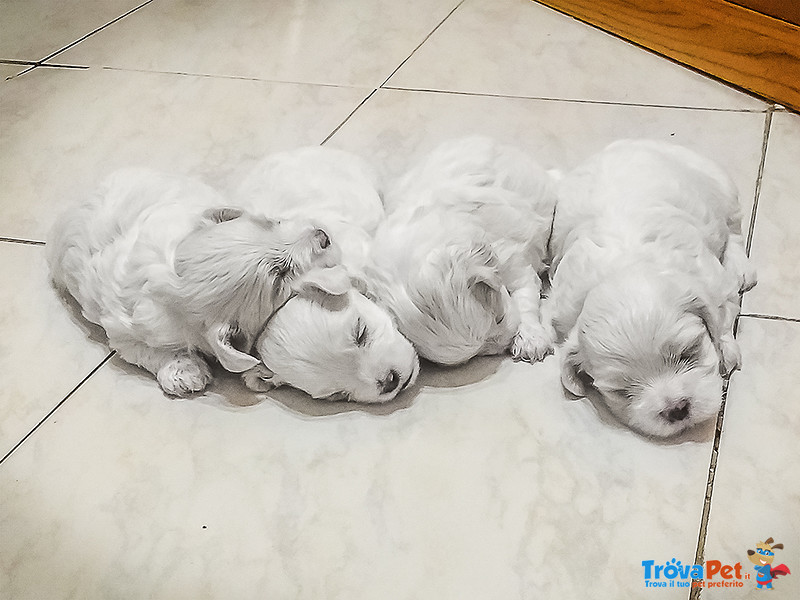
[635,189]
[315,181]
[644,174]
[473,163]
[101,251]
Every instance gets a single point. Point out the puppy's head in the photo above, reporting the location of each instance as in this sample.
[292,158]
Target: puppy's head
[452,305]
[236,268]
[338,347]
[645,346]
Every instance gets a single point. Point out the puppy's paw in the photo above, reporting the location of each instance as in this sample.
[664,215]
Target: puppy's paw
[739,265]
[259,379]
[532,343]
[731,356]
[183,375]
[748,279]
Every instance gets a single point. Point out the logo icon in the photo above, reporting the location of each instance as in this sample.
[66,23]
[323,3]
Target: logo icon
[762,557]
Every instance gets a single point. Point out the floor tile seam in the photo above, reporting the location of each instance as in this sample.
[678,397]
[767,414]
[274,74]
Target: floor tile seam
[705,515]
[33,63]
[57,406]
[759,180]
[12,240]
[349,86]
[425,39]
[349,116]
[575,100]
[14,61]
[32,66]
[94,31]
[766,317]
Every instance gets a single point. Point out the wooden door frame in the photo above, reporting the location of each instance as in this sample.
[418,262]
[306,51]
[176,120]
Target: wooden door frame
[753,51]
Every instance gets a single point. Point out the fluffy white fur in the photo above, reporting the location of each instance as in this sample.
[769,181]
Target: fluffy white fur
[648,263]
[172,272]
[335,345]
[458,258]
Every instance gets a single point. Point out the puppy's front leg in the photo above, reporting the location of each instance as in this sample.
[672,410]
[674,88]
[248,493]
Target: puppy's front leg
[533,340]
[179,373]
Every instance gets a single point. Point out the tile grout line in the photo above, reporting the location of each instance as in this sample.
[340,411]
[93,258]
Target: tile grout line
[57,406]
[699,556]
[40,62]
[575,100]
[347,118]
[425,39]
[769,317]
[372,93]
[234,77]
[21,241]
[759,180]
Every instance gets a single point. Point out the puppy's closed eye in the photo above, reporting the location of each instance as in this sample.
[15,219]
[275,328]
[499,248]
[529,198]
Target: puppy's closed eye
[221,214]
[360,334]
[687,354]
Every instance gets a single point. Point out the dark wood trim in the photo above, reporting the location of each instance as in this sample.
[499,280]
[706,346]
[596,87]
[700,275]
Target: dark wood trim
[786,10]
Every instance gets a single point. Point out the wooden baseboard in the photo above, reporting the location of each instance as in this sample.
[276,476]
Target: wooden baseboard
[750,50]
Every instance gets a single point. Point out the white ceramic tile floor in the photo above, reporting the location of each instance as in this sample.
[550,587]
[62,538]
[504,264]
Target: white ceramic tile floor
[775,246]
[36,29]
[481,482]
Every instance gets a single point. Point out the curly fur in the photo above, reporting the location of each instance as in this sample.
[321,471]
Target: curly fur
[458,259]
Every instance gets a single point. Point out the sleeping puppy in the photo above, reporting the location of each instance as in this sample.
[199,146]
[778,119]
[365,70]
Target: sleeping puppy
[332,343]
[458,259]
[172,272]
[648,264]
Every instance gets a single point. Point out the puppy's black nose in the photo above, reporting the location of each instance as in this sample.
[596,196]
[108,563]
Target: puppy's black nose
[322,238]
[389,383]
[679,412]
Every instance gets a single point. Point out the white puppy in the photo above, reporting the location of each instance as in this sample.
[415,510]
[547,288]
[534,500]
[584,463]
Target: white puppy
[336,345]
[647,267]
[459,256]
[172,272]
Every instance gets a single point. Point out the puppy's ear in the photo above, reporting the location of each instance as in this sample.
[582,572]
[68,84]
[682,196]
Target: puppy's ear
[487,288]
[571,366]
[327,287]
[331,281]
[724,343]
[221,338]
[222,213]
